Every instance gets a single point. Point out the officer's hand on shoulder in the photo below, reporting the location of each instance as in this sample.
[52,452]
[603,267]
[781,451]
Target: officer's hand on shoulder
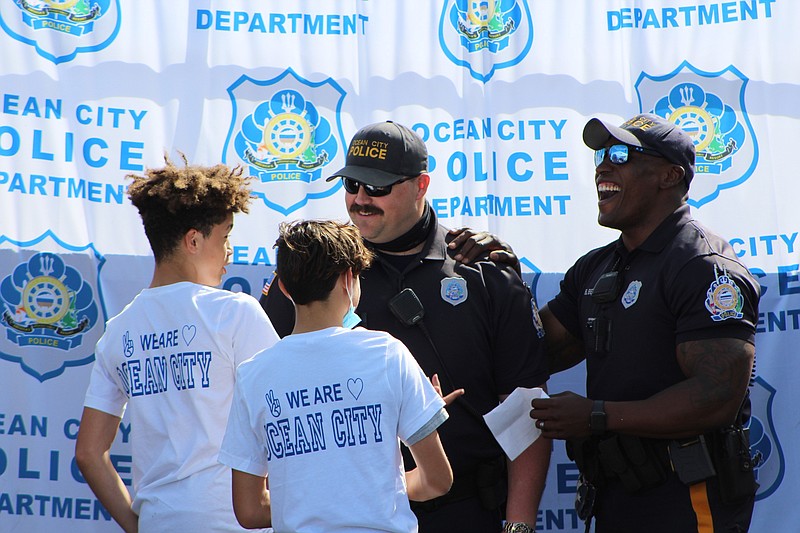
[470,245]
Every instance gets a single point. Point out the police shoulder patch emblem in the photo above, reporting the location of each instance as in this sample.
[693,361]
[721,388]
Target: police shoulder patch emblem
[723,298]
[454,290]
[537,320]
[268,284]
[631,294]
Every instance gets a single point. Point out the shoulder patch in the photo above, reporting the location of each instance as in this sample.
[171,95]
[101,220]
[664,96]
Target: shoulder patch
[723,297]
[268,283]
[537,320]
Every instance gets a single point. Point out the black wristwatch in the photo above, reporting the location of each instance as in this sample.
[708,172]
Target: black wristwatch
[597,420]
[518,527]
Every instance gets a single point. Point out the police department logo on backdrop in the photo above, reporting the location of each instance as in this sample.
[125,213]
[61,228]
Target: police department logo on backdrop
[485,35]
[52,313]
[287,132]
[711,108]
[59,30]
[765,448]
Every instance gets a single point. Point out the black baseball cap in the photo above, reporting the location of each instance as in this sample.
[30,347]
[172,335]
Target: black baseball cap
[646,131]
[382,154]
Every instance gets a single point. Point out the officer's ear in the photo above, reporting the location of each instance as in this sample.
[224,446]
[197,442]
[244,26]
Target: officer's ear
[672,176]
[422,182]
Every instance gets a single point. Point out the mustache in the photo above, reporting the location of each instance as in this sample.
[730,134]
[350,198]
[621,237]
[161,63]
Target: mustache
[366,209]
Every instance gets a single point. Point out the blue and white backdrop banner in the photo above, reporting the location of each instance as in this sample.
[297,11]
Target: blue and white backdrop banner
[499,90]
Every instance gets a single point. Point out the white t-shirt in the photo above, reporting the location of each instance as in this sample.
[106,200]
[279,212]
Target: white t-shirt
[322,412]
[171,357]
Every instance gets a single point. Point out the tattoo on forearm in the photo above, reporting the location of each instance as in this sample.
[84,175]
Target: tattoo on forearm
[718,368]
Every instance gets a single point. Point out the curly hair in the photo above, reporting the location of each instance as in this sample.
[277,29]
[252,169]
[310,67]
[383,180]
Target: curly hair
[313,254]
[173,200]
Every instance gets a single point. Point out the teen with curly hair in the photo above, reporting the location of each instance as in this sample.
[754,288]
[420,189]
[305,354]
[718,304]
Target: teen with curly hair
[170,357]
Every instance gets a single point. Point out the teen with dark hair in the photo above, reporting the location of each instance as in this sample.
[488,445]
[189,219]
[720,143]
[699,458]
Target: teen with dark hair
[324,410]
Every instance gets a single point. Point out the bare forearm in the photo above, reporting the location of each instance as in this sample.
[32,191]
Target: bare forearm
[526,479]
[257,515]
[423,485]
[718,370]
[563,352]
[251,500]
[418,489]
[433,476]
[92,454]
[685,409]
[109,488]
[562,348]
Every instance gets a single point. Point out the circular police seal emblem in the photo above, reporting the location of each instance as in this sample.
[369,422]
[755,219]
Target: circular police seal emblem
[287,135]
[723,297]
[697,122]
[481,13]
[45,299]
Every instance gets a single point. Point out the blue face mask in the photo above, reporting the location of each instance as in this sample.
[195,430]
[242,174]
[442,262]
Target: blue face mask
[351,319]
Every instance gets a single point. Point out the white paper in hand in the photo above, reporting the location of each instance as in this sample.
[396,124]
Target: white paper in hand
[511,424]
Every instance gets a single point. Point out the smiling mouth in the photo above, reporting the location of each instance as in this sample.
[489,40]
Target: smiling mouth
[606,190]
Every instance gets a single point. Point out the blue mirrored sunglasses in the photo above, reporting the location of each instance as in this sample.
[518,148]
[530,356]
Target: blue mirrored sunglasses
[618,154]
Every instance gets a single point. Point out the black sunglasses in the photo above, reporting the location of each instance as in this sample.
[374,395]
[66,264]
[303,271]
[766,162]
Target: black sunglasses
[351,186]
[618,154]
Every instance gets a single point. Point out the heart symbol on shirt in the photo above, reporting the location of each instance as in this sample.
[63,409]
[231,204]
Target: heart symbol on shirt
[355,386]
[188,333]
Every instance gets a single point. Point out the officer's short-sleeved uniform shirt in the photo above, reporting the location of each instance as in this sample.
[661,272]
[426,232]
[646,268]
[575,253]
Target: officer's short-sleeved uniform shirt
[480,331]
[682,284]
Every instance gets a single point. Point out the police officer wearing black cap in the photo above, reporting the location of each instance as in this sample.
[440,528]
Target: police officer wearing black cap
[665,319]
[473,326]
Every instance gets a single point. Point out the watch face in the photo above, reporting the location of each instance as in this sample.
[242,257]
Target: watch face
[519,528]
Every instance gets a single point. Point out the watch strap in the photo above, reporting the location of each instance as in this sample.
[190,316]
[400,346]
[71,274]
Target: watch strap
[598,419]
[518,527]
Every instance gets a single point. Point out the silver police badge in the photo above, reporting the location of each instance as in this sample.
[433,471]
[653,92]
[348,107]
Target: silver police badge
[454,290]
[631,294]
